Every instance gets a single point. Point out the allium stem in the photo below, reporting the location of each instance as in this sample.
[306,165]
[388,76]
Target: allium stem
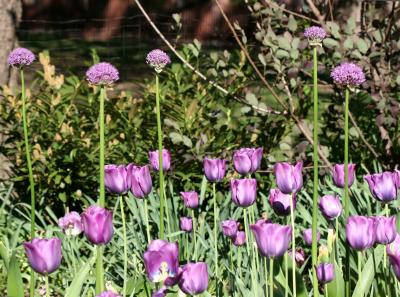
[30,172]
[125,275]
[46,281]
[160,158]
[294,294]
[102,201]
[194,236]
[99,270]
[271,277]
[215,236]
[315,189]
[346,185]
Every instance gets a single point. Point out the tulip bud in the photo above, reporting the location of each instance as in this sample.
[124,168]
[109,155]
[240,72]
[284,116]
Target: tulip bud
[247,160]
[166,159]
[360,232]
[307,236]
[325,273]
[44,255]
[289,178]
[280,202]
[299,256]
[214,169]
[330,207]
[186,224]
[382,186]
[97,224]
[190,199]
[230,228]
[71,223]
[385,229]
[338,174]
[194,278]
[115,179]
[240,238]
[244,191]
[140,180]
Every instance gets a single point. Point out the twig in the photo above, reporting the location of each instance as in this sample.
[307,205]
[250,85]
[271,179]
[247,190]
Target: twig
[201,75]
[317,13]
[297,121]
[291,12]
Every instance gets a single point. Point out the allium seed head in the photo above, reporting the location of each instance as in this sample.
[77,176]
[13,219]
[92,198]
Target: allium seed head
[315,35]
[158,60]
[348,74]
[102,74]
[20,57]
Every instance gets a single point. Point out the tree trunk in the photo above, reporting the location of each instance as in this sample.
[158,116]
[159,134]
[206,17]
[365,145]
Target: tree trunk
[10,16]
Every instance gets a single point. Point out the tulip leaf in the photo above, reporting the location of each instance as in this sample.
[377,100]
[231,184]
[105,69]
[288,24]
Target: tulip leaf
[15,286]
[4,254]
[74,290]
[368,273]
[336,287]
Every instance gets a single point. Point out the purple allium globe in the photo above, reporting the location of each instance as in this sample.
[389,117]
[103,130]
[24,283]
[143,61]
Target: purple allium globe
[315,35]
[102,74]
[158,59]
[20,57]
[348,74]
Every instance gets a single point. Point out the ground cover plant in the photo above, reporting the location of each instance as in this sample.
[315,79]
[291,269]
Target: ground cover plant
[137,228]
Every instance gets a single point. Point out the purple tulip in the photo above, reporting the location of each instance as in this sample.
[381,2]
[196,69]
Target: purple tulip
[230,228]
[98,224]
[325,273]
[190,199]
[108,294]
[161,260]
[140,180]
[393,251]
[300,256]
[115,178]
[330,207]
[272,239]
[239,239]
[289,178]
[162,292]
[166,159]
[214,169]
[44,255]
[360,232]
[307,236]
[71,223]
[194,278]
[385,229]
[280,202]
[244,191]
[382,186]
[186,224]
[247,160]
[338,174]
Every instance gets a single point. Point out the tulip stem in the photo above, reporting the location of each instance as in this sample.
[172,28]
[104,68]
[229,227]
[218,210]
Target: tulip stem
[346,185]
[293,247]
[337,239]
[286,274]
[246,228]
[125,246]
[215,236]
[146,213]
[326,290]
[160,157]
[271,277]
[46,281]
[266,276]
[99,271]
[194,236]
[359,264]
[315,189]
[384,247]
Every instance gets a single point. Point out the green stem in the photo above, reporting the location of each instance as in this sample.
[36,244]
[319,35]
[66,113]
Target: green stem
[146,213]
[215,235]
[101,124]
[160,158]
[346,184]
[326,290]
[32,283]
[46,280]
[384,249]
[337,239]
[99,271]
[194,236]
[359,263]
[248,243]
[294,294]
[266,276]
[271,277]
[315,189]
[286,275]
[125,246]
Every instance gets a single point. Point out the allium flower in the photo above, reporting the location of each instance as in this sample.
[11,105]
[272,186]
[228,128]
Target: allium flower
[385,229]
[108,294]
[382,186]
[71,223]
[190,199]
[244,191]
[214,169]
[239,239]
[280,202]
[98,224]
[161,260]
[158,60]
[186,224]
[140,180]
[289,178]
[348,74]
[360,232]
[230,228]
[307,236]
[325,273]
[44,255]
[116,178]
[166,159]
[338,174]
[272,239]
[102,74]
[330,207]
[315,35]
[247,160]
[20,57]
[300,256]
[194,278]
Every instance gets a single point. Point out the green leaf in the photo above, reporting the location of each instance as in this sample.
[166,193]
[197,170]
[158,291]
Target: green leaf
[348,44]
[336,287]
[4,254]
[362,46]
[15,286]
[368,273]
[330,43]
[334,29]
[74,290]
[292,24]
